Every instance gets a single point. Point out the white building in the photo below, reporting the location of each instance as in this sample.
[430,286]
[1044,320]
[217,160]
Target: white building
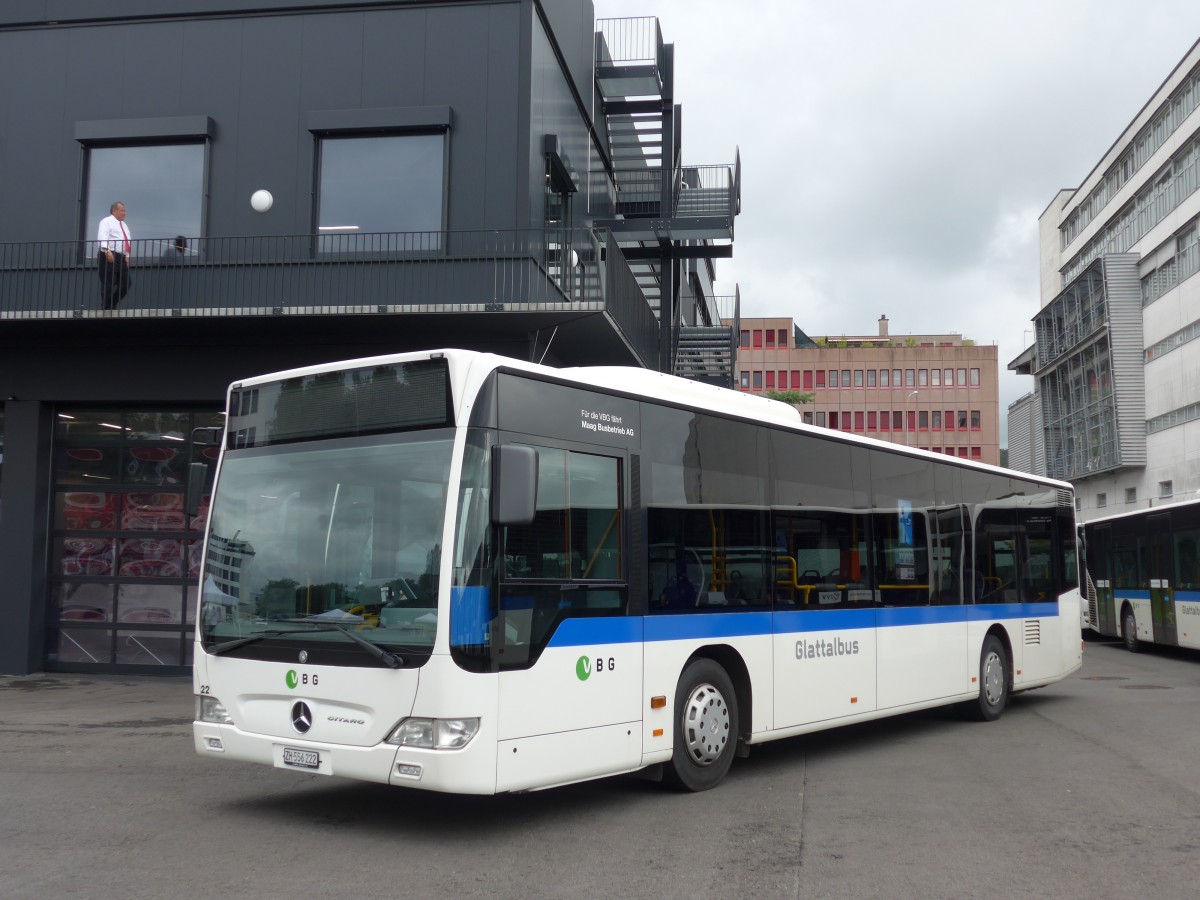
[1116,407]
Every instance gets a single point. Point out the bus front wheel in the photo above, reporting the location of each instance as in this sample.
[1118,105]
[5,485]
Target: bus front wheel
[1129,631]
[706,727]
[993,680]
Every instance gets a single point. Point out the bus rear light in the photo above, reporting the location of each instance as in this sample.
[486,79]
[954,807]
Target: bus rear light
[658,702]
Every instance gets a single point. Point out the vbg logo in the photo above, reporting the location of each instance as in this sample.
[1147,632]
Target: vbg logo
[584,666]
[294,680]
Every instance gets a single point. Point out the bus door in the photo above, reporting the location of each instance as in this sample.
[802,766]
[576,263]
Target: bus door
[1160,568]
[570,657]
[1099,554]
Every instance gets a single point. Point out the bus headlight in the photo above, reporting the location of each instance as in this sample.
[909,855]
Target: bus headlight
[434,734]
[210,709]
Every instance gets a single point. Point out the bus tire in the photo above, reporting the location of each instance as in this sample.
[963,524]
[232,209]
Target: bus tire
[1129,631]
[706,727]
[994,682]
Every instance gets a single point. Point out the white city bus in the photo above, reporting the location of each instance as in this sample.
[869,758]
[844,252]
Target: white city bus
[459,572]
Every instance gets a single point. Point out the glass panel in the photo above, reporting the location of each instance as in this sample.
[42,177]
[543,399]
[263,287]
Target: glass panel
[379,184]
[152,512]
[149,604]
[83,602]
[595,517]
[161,186]
[149,648]
[97,466]
[157,465]
[86,510]
[82,645]
[539,550]
[157,426]
[151,558]
[83,556]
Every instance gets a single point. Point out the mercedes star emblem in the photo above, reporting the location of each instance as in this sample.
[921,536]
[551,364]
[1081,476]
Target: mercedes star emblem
[301,717]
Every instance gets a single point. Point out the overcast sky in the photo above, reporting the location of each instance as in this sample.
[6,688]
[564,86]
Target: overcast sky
[896,155]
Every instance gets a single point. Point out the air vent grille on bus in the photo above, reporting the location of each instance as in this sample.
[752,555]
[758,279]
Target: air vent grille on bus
[1092,603]
[1033,632]
[1065,499]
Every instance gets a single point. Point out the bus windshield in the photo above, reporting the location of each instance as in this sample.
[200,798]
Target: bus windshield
[311,540]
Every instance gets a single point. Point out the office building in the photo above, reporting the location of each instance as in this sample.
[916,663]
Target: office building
[304,181]
[1115,407]
[938,392]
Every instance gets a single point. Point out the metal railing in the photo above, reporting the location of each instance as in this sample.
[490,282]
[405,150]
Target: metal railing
[629,42]
[627,303]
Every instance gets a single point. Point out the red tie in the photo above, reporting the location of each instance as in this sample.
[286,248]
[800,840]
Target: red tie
[126,233]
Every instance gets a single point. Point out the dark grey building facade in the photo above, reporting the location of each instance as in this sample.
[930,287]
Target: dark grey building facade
[305,182]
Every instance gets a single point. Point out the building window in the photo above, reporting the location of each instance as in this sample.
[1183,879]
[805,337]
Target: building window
[962,377]
[745,381]
[821,419]
[833,420]
[910,378]
[870,378]
[820,378]
[808,379]
[1166,489]
[379,185]
[758,338]
[885,421]
[858,378]
[885,377]
[922,378]
[896,378]
[949,420]
[923,420]
[962,420]
[1101,501]
[771,337]
[744,338]
[808,418]
[1078,504]
[833,378]
[1131,495]
[162,187]
[937,418]
[758,381]
[782,337]
[796,380]
[770,379]
[897,420]
[974,378]
[912,421]
[977,453]
[975,420]
[936,377]
[845,378]
[871,422]
[783,379]
[858,421]
[949,379]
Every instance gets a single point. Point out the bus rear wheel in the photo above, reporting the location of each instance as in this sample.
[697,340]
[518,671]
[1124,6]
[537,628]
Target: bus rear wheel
[1129,631]
[706,727]
[993,681]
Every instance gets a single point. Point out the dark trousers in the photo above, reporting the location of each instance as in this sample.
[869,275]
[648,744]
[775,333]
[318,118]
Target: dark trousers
[114,279]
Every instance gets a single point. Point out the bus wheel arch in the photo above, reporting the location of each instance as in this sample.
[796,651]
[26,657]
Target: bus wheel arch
[1129,635]
[713,692]
[995,676]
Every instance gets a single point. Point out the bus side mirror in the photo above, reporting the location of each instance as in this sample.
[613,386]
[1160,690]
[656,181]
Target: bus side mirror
[514,485]
[197,476]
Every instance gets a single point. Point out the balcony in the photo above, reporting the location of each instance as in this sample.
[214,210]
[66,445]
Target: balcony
[502,286]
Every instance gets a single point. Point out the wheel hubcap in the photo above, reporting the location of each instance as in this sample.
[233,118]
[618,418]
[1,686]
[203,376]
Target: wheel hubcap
[993,678]
[705,725]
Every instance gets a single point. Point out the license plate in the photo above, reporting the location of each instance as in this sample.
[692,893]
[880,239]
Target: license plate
[302,759]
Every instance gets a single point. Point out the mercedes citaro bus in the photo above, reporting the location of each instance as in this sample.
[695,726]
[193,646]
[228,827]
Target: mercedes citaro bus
[459,572]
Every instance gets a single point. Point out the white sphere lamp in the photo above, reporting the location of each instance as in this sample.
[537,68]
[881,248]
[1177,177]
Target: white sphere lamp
[261,201]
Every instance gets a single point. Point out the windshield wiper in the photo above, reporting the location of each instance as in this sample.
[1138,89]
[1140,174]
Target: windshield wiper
[389,659]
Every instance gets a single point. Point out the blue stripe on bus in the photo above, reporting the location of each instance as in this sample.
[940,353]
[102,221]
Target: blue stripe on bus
[576,632]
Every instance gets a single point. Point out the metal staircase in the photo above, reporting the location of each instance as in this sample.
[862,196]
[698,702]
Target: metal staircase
[664,212]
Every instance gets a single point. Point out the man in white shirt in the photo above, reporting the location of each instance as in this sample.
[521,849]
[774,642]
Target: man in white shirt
[113,257]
